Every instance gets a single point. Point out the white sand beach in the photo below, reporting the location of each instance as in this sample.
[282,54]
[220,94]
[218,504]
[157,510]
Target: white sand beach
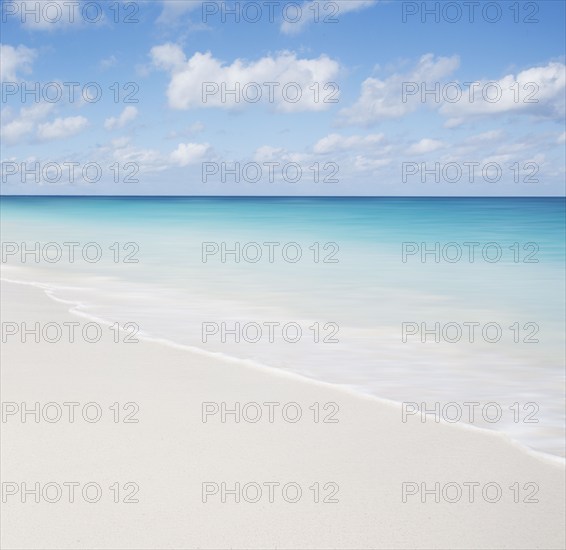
[366,456]
[282,275]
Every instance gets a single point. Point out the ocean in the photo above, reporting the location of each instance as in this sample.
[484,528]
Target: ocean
[421,300]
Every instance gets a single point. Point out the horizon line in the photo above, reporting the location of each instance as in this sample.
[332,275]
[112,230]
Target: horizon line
[295,196]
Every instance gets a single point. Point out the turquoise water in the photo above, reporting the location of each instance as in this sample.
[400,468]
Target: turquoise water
[366,291]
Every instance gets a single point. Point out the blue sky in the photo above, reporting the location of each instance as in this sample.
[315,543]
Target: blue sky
[365,141]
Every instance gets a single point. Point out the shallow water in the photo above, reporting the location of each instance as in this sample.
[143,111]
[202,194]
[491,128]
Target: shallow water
[353,283]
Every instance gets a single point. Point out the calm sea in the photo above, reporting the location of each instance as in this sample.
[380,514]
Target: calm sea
[369,278]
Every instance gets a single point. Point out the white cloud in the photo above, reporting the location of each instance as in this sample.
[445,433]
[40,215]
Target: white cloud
[537,91]
[108,62]
[491,135]
[152,160]
[350,153]
[14,61]
[454,122]
[336,142]
[15,128]
[62,127]
[189,153]
[561,138]
[204,72]
[370,158]
[127,115]
[367,150]
[372,154]
[329,11]
[382,99]
[147,160]
[169,57]
[425,146]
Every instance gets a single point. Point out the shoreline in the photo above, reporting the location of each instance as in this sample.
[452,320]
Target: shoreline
[369,454]
[74,309]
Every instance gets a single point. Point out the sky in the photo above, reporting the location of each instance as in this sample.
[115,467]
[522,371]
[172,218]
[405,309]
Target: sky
[306,98]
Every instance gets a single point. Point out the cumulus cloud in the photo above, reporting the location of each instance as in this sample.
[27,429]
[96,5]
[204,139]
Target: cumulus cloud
[349,153]
[146,160]
[29,121]
[128,115]
[490,135]
[169,57]
[16,127]
[15,60]
[382,99]
[336,142]
[326,11]
[276,80]
[152,160]
[189,153]
[381,155]
[62,128]
[539,91]
[425,146]
[536,91]
[360,153]
[14,131]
